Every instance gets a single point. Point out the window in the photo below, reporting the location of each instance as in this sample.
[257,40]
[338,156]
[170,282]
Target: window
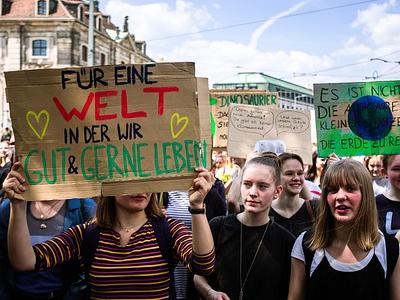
[84,54]
[103,59]
[42,7]
[252,86]
[80,13]
[5,7]
[39,48]
[99,23]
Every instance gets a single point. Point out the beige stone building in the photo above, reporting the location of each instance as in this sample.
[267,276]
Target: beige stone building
[54,34]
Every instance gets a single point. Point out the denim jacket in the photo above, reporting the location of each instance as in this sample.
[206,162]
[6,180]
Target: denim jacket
[77,212]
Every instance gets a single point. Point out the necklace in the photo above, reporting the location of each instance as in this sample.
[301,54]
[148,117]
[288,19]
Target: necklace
[242,283]
[129,228]
[44,216]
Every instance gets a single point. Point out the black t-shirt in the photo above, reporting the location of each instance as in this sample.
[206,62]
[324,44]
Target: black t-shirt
[269,276]
[389,214]
[368,279]
[301,221]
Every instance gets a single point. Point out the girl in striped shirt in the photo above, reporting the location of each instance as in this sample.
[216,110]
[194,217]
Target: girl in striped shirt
[127,262]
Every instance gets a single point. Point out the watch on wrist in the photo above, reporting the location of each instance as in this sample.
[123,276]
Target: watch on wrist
[197,211]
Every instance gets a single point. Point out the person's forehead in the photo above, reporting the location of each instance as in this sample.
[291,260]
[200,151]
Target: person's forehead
[395,161]
[375,160]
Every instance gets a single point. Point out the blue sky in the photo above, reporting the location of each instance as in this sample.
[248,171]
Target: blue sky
[295,48]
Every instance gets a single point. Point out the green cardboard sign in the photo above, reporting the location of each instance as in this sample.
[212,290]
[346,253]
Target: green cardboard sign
[358,118]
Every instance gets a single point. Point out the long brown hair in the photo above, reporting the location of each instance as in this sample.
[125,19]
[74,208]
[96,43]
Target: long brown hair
[106,210]
[365,227]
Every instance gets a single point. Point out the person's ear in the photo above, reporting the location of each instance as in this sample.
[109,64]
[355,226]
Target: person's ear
[278,191]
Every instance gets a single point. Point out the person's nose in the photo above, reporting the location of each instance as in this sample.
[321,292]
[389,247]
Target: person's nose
[341,194]
[296,176]
[253,191]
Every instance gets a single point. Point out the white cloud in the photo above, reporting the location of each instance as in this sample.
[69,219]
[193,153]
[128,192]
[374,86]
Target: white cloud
[379,33]
[267,24]
[216,5]
[157,20]
[378,24]
[353,48]
[220,59]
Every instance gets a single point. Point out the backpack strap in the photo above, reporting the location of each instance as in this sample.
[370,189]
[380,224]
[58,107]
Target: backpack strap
[309,209]
[311,206]
[308,254]
[392,255]
[84,216]
[163,236]
[89,245]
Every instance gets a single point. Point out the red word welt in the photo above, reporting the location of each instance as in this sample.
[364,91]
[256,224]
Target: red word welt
[100,103]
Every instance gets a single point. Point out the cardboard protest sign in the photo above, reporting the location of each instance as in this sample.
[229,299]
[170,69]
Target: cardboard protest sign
[249,124]
[220,101]
[110,130]
[358,118]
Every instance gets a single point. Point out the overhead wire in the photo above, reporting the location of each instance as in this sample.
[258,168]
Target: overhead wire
[315,73]
[263,20]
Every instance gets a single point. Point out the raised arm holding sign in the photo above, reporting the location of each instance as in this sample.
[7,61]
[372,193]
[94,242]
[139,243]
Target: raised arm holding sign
[121,133]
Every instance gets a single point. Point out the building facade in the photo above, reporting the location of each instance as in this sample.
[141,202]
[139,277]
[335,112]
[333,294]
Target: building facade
[54,34]
[291,96]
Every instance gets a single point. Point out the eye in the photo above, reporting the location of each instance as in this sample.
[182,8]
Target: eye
[351,188]
[332,189]
[263,186]
[301,173]
[246,184]
[288,174]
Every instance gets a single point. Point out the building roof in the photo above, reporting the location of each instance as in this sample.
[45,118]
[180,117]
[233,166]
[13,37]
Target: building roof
[27,9]
[261,78]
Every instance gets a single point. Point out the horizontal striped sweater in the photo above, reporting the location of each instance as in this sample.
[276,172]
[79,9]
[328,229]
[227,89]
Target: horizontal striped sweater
[136,271]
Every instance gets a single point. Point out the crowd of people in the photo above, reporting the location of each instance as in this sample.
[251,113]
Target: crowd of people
[265,227]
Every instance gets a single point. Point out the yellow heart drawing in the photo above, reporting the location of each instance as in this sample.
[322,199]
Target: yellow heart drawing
[176,119]
[37,117]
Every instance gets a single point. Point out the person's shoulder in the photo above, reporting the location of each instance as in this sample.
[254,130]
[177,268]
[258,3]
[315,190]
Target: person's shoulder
[389,240]
[75,203]
[169,220]
[282,232]
[218,220]
[174,225]
[4,210]
[381,198]
[223,220]
[382,201]
[4,204]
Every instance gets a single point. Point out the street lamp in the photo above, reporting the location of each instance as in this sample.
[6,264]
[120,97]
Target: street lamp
[91,34]
[374,76]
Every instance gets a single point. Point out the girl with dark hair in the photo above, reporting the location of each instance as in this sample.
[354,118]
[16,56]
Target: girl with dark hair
[345,256]
[289,210]
[388,202]
[128,260]
[252,251]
